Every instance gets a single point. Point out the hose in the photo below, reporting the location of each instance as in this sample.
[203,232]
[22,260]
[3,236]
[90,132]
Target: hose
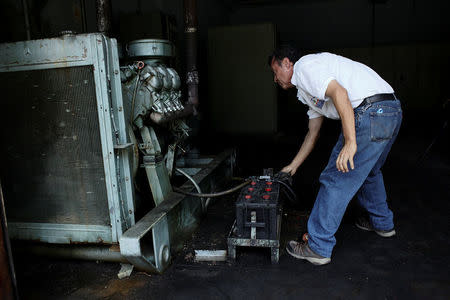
[211,195]
[436,138]
[204,203]
[293,197]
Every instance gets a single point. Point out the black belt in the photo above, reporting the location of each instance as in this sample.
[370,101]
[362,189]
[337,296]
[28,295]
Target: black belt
[378,98]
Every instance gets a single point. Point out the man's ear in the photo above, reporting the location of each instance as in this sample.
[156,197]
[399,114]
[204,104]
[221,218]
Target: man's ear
[287,63]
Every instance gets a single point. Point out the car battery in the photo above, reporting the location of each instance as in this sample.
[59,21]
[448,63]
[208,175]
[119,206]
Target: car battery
[258,209]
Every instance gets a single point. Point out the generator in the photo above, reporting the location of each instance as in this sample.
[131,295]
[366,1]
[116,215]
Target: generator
[79,128]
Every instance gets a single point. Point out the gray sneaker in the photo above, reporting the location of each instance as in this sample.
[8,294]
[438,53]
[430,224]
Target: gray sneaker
[302,251]
[364,224]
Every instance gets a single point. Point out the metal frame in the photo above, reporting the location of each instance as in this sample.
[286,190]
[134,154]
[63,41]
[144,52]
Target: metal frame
[122,144]
[274,245]
[60,233]
[148,243]
[177,213]
[84,50]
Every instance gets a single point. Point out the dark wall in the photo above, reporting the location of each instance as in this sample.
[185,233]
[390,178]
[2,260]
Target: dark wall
[351,23]
[49,17]
[406,41]
[210,13]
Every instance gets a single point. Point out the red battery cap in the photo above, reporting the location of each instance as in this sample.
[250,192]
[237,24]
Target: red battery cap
[251,189]
[269,182]
[253,183]
[266,197]
[268,189]
[247,196]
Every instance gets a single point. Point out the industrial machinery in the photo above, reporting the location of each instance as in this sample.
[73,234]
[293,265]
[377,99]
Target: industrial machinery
[79,132]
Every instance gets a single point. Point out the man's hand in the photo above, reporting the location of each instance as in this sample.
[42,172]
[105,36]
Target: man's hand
[290,169]
[342,103]
[346,156]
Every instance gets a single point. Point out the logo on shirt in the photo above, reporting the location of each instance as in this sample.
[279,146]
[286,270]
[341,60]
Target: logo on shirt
[317,102]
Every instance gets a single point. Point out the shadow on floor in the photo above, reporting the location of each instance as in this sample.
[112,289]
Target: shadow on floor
[412,265]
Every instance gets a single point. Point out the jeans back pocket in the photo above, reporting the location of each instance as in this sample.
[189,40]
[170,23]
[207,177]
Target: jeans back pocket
[382,124]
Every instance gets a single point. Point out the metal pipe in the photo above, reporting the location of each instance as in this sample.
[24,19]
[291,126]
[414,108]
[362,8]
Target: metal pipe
[83,252]
[27,20]
[104,16]
[204,206]
[83,16]
[190,33]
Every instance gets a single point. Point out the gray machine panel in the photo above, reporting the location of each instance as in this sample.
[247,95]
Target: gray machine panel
[66,170]
[52,164]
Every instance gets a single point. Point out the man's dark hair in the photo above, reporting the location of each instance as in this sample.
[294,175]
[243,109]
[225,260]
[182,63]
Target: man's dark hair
[283,51]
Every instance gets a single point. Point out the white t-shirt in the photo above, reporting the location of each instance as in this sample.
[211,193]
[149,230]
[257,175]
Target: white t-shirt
[313,73]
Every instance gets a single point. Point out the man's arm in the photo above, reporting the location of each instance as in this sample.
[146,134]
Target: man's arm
[307,146]
[340,99]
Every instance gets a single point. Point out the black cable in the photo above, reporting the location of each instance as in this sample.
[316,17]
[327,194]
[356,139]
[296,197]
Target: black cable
[289,196]
[284,184]
[292,197]
[446,112]
[421,159]
[237,178]
[211,195]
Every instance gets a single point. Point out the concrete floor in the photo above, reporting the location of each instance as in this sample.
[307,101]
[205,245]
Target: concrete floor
[412,265]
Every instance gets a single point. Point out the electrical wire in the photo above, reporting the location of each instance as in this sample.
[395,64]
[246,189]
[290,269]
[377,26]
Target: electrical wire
[289,192]
[211,195]
[293,197]
[204,202]
[422,157]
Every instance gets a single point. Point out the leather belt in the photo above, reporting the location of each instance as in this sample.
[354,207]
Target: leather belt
[377,98]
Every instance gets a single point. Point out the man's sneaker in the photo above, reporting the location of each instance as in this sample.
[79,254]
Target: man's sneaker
[364,224]
[302,251]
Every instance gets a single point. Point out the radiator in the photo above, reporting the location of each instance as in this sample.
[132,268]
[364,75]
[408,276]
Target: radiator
[64,157]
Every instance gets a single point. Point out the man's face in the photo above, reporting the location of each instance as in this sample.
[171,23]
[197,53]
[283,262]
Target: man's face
[282,73]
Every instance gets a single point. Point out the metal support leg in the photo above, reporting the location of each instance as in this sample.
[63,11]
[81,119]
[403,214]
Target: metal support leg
[157,175]
[148,243]
[274,254]
[171,158]
[232,252]
[150,257]
[158,178]
[135,243]
[253,229]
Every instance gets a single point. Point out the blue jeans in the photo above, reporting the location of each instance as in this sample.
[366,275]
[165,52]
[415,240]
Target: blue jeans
[377,126]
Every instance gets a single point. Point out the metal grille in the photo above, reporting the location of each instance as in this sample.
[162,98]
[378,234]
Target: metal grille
[51,158]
